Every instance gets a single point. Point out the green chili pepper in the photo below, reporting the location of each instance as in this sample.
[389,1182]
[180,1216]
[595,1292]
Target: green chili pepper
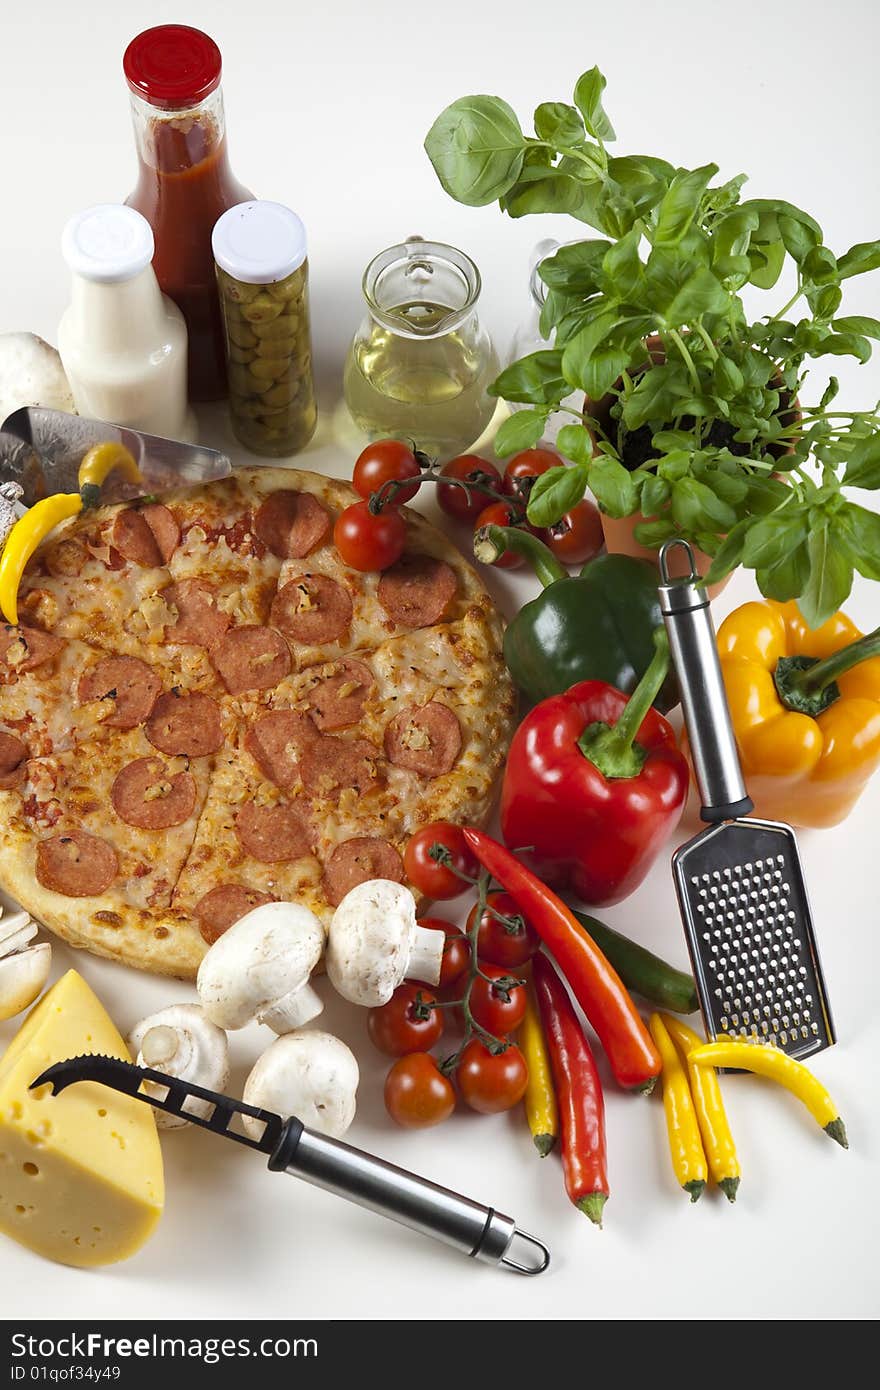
[642,971]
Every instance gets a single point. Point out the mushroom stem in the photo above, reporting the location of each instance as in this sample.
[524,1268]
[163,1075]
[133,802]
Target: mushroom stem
[162,1045]
[296,1008]
[426,956]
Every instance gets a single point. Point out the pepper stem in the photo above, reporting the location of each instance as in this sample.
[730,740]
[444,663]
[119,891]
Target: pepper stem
[490,542]
[815,678]
[612,748]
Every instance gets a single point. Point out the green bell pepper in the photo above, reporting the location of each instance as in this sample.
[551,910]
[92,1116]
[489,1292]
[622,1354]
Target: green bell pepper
[597,625]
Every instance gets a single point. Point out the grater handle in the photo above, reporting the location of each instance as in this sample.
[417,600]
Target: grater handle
[685,609]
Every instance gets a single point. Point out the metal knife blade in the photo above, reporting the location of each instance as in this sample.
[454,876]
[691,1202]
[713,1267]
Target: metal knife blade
[42,449]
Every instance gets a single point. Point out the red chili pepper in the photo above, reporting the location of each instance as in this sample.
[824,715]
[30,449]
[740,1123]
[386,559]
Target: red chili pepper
[597,987]
[578,1093]
[595,785]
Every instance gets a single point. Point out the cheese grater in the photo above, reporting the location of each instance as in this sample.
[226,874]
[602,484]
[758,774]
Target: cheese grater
[740,883]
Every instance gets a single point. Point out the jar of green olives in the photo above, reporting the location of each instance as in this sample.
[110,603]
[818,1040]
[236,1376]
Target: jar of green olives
[262,274]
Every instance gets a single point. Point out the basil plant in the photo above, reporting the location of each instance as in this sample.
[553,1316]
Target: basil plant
[712,434]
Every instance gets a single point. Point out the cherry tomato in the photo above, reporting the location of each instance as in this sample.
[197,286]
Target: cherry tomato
[369,540]
[417,1094]
[398,1027]
[456,952]
[577,536]
[524,468]
[429,876]
[502,514]
[465,504]
[491,1083]
[509,944]
[388,460]
[494,1012]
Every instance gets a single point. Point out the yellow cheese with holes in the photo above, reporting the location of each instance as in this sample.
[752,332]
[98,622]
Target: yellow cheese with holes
[81,1177]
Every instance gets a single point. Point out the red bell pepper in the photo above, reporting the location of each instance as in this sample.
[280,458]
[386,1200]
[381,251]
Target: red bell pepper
[595,785]
[597,986]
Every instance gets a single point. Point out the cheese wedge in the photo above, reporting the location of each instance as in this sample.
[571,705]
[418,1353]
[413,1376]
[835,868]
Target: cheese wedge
[81,1178]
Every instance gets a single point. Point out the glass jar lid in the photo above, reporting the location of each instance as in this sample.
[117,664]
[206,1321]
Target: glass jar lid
[172,66]
[259,242]
[108,243]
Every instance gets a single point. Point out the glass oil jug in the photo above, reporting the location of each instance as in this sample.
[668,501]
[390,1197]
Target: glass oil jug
[419,365]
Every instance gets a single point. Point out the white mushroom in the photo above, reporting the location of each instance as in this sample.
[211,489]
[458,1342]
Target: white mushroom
[24,968]
[375,942]
[259,969]
[309,1074]
[31,374]
[182,1042]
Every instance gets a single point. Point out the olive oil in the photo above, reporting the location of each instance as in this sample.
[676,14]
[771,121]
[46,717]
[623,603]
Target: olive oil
[420,383]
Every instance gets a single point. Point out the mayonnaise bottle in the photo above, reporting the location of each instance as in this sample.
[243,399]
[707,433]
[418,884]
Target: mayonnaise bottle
[122,342]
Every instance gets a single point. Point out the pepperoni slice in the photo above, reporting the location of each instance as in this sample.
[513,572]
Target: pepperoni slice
[272,834]
[355,861]
[185,723]
[12,755]
[199,620]
[312,609]
[145,794]
[126,680]
[425,739]
[223,905]
[290,524]
[276,743]
[251,658]
[329,764]
[417,591]
[26,648]
[77,864]
[339,700]
[148,536]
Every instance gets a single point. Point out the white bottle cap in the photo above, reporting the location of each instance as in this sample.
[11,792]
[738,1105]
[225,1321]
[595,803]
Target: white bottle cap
[108,243]
[259,243]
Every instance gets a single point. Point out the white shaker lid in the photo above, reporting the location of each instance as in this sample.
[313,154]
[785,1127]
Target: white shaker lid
[108,243]
[259,243]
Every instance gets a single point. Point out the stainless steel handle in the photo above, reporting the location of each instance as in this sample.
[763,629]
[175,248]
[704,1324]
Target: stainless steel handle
[685,609]
[476,1230]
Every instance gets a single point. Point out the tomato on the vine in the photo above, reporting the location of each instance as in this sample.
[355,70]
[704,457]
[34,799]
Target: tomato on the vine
[386,461]
[491,1082]
[465,504]
[524,468]
[577,536]
[417,1094]
[369,540]
[426,873]
[497,1009]
[407,1023]
[510,943]
[456,951]
[502,514]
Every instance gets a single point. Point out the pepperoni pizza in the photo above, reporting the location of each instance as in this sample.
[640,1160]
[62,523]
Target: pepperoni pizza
[203,709]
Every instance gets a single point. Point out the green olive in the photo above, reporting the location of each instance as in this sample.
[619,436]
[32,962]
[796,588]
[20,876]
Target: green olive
[235,291]
[266,369]
[279,327]
[241,381]
[262,310]
[291,287]
[241,334]
[282,394]
[277,347]
[246,408]
[239,354]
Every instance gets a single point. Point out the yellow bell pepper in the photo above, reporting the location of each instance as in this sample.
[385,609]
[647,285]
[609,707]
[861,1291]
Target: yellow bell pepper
[805,707]
[778,1066]
[23,540]
[685,1145]
[542,1111]
[711,1116]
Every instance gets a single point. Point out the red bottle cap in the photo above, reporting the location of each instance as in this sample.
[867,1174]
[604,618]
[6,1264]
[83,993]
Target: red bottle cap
[172,66]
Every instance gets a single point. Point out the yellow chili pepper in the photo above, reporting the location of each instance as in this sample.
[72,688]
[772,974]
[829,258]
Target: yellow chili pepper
[805,707]
[23,540]
[685,1145]
[711,1116]
[542,1111]
[99,463]
[772,1062]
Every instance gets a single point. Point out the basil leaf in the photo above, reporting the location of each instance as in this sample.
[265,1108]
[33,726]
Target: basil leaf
[858,323]
[679,291]
[575,443]
[729,553]
[588,100]
[727,379]
[656,397]
[654,533]
[643,179]
[476,147]
[681,203]
[798,238]
[613,487]
[533,380]
[863,463]
[621,266]
[857,531]
[774,537]
[697,508]
[655,494]
[865,255]
[603,369]
[825,301]
[767,261]
[576,354]
[559,123]
[575,269]
[555,493]
[830,577]
[830,392]
[521,430]
[843,345]
[786,578]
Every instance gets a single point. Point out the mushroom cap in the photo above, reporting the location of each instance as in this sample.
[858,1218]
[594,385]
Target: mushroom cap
[22,976]
[197,1052]
[309,1074]
[31,374]
[265,955]
[371,938]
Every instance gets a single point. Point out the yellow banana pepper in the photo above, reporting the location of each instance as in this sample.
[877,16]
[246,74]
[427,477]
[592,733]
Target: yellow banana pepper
[542,1111]
[805,707]
[23,540]
[99,463]
[685,1146]
[775,1064]
[711,1116]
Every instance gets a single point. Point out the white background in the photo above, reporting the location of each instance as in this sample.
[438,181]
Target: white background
[327,107]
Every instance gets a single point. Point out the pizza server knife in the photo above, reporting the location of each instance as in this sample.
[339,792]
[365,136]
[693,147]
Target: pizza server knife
[41,450]
[477,1231]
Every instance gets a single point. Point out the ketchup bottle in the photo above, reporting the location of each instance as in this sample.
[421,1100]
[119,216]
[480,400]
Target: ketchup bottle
[184,181]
